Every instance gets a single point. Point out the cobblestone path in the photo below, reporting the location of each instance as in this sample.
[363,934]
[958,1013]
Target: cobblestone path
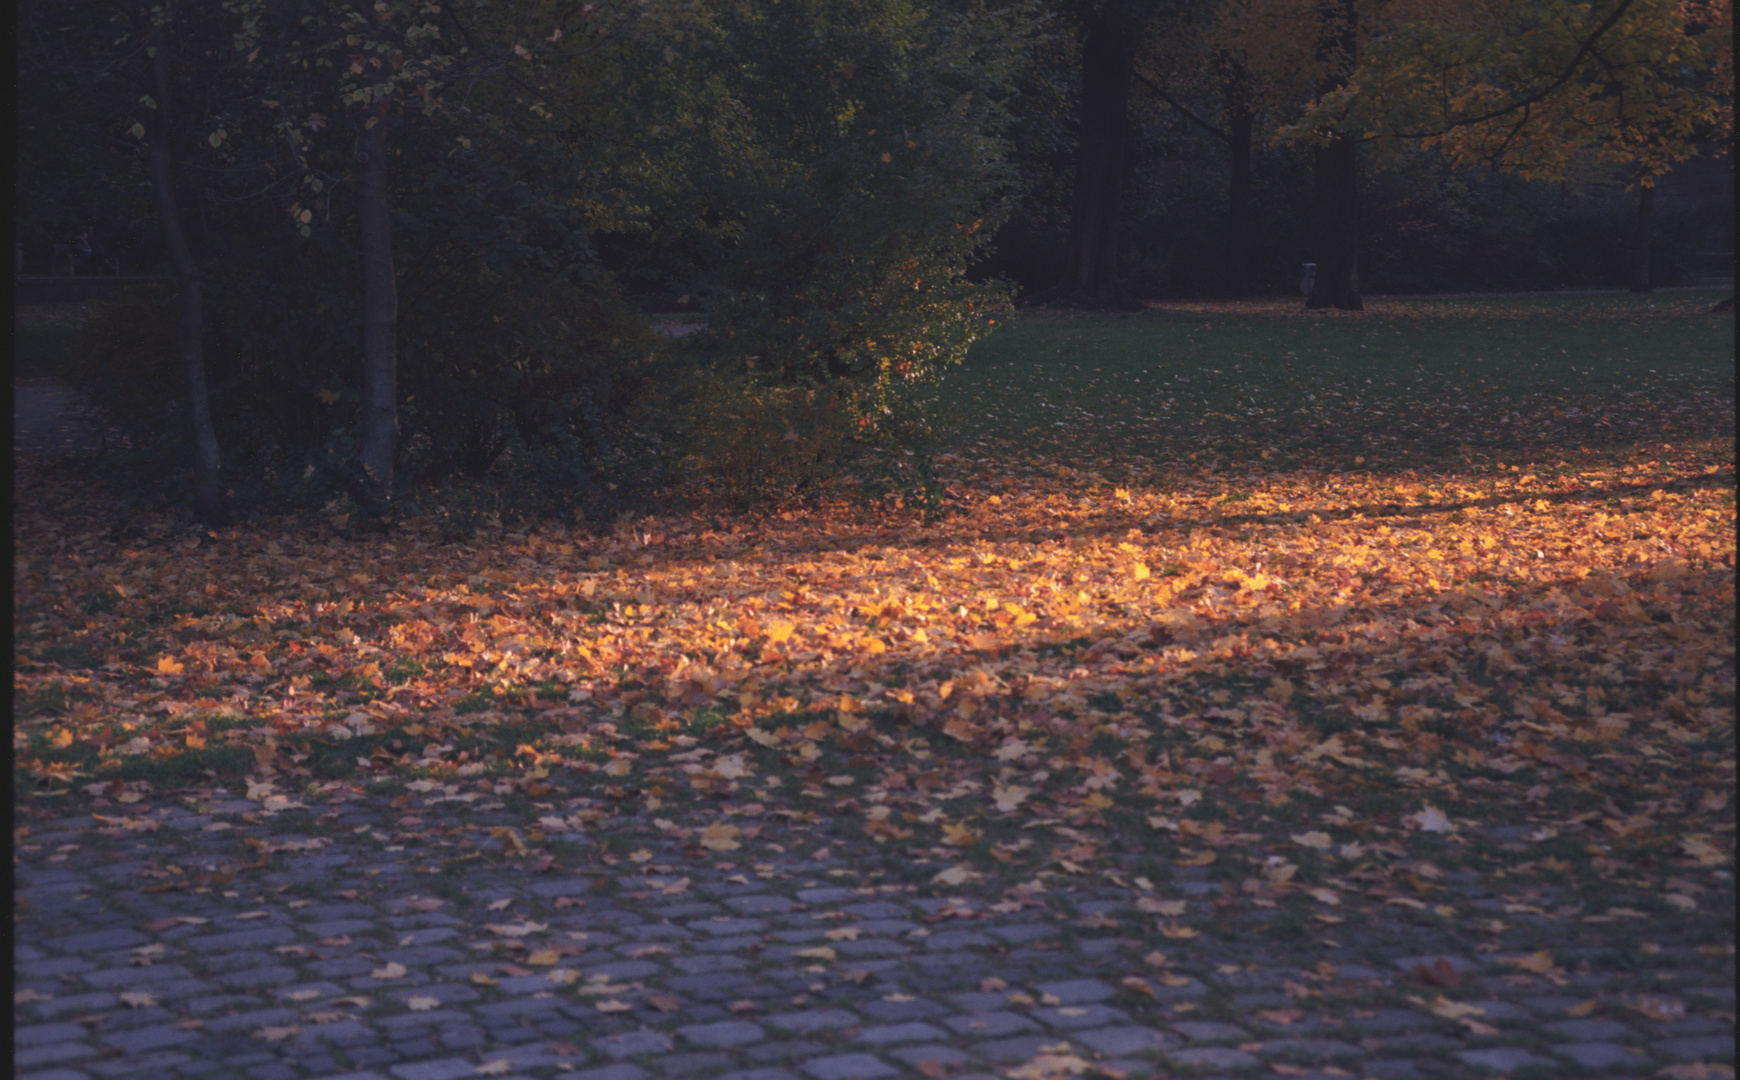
[356,937]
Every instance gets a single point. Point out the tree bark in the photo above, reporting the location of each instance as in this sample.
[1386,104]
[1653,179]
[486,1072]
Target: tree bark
[1337,239]
[208,495]
[379,420]
[1108,67]
[1238,203]
[1640,240]
[1336,168]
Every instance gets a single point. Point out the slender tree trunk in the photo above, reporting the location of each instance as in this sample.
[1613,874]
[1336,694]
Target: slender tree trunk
[1238,204]
[1336,165]
[1640,241]
[380,412]
[1337,241]
[1108,67]
[208,496]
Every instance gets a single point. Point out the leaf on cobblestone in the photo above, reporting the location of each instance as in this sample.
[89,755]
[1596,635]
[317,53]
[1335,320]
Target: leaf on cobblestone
[613,1006]
[720,837]
[1438,973]
[517,929]
[1540,963]
[425,903]
[355,1001]
[745,1006]
[146,955]
[1318,841]
[478,978]
[189,1023]
[421,1003]
[1171,908]
[956,875]
[1655,1007]
[1177,931]
[665,1003]
[543,957]
[25,997]
[1050,1067]
[495,905]
[514,971]
[1283,1017]
[277,1034]
[392,969]
[498,1067]
[138,999]
[562,976]
[302,995]
[1583,1008]
[820,952]
[844,933]
[335,942]
[1137,984]
[1431,819]
[1442,1006]
[1475,1027]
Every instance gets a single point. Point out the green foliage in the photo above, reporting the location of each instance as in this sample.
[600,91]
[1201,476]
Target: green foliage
[858,175]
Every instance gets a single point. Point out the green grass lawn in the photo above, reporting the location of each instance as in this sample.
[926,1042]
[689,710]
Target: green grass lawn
[1407,381]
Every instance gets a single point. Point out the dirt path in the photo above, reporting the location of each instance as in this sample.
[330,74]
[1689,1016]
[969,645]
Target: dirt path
[48,421]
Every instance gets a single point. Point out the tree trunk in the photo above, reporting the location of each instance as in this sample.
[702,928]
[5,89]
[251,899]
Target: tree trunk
[1336,165]
[1108,66]
[1640,240]
[1337,239]
[379,420]
[208,495]
[1238,203]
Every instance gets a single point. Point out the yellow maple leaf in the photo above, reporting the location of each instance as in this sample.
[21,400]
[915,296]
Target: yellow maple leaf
[720,837]
[168,665]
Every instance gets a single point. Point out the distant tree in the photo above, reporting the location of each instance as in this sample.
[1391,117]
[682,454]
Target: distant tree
[155,65]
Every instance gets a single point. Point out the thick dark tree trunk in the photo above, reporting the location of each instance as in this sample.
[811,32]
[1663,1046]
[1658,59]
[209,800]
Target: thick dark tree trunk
[1238,204]
[379,443]
[1640,241]
[1337,236]
[208,495]
[1336,165]
[1108,67]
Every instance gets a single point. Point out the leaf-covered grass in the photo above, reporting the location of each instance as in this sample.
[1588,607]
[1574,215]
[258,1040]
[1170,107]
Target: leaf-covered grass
[1424,628]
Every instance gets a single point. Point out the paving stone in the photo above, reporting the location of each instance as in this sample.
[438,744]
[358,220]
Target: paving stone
[757,1074]
[1697,1048]
[443,1069]
[1077,991]
[1213,1057]
[50,1053]
[1313,1049]
[1210,1031]
[946,1056]
[892,1011]
[1592,1030]
[1020,1048]
[813,1020]
[889,1034]
[633,1044]
[1503,1059]
[724,1033]
[1125,1040]
[1598,1055]
[38,1034]
[138,1040]
[1080,1016]
[620,1071]
[990,1025]
[97,941]
[849,1067]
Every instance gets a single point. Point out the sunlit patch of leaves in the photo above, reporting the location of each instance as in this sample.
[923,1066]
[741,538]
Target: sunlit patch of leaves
[1318,684]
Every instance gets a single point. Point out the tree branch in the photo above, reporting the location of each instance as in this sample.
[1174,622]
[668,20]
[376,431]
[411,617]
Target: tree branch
[1176,104]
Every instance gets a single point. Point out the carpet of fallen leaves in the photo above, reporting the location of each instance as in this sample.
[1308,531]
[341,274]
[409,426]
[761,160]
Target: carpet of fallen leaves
[1324,666]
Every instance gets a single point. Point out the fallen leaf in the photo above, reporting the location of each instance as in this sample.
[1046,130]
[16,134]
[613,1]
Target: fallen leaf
[421,1003]
[1655,1007]
[392,969]
[138,999]
[720,837]
[277,1034]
